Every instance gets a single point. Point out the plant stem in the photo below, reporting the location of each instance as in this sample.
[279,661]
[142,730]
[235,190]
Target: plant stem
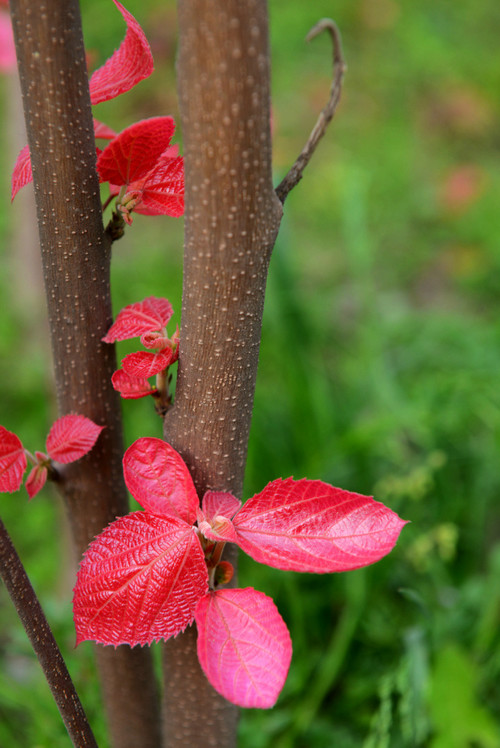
[44,645]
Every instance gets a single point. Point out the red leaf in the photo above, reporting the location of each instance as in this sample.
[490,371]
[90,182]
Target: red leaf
[308,525]
[131,387]
[12,461]
[7,48]
[146,364]
[128,65]
[36,480]
[162,192]
[219,503]
[21,174]
[102,131]
[71,437]
[134,152]
[243,646]
[140,581]
[155,341]
[157,477]
[149,315]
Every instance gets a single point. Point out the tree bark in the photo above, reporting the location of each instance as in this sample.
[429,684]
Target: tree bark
[76,264]
[232,219]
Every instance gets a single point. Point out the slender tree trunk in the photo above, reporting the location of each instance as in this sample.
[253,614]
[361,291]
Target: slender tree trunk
[76,263]
[232,219]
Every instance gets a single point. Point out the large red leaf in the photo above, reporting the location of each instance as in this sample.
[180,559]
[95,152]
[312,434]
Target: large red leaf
[157,477]
[128,65]
[150,315]
[12,461]
[308,525]
[131,387]
[135,151]
[162,191]
[244,646]
[22,173]
[140,581]
[146,363]
[71,437]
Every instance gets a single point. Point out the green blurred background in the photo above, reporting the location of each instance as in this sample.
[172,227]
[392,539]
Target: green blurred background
[379,372]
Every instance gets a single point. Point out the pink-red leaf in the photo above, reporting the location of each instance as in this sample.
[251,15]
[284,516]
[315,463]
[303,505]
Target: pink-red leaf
[12,461]
[146,363]
[131,387]
[150,315]
[71,437]
[219,503]
[36,480]
[21,174]
[128,65]
[308,525]
[102,131]
[157,477]
[162,191]
[244,646]
[7,48]
[135,151]
[140,581]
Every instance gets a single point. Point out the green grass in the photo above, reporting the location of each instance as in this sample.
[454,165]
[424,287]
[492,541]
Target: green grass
[378,373]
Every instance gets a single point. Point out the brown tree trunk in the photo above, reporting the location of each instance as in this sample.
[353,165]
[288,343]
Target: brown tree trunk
[232,219]
[76,262]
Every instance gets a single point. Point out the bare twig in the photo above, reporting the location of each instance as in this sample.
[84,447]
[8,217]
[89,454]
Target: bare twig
[45,646]
[339,67]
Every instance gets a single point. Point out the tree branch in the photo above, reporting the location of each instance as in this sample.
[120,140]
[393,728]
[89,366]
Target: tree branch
[326,115]
[76,256]
[44,645]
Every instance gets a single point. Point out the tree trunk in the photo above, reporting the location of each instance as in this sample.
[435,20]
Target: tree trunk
[76,263]
[232,219]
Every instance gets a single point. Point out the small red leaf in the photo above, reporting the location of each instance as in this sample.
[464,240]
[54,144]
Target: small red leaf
[155,341]
[244,647]
[21,174]
[150,315]
[140,581]
[219,503]
[128,65]
[308,525]
[36,480]
[131,387]
[102,131]
[135,151]
[162,191]
[157,477]
[12,461]
[71,437]
[146,363]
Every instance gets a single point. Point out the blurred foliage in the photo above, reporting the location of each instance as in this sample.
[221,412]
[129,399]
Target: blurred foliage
[378,372]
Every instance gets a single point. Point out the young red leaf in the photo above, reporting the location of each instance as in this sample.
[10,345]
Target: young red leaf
[135,151]
[155,341]
[150,315]
[146,363]
[308,525]
[131,387]
[140,581]
[102,131]
[161,192]
[36,480]
[128,65]
[219,503]
[244,647]
[7,48]
[71,437]
[12,461]
[21,174]
[214,516]
[157,477]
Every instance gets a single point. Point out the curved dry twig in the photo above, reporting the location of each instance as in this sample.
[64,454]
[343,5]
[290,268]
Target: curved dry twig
[339,67]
